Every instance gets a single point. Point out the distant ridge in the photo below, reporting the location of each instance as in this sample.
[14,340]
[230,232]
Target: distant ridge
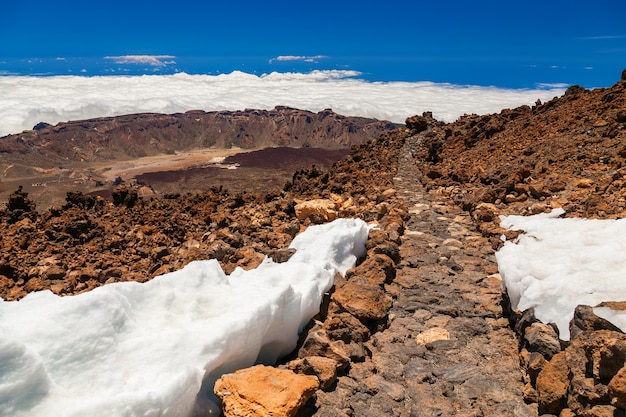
[149,134]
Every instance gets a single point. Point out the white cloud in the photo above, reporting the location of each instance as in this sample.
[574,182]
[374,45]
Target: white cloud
[603,37]
[27,101]
[552,85]
[304,58]
[155,60]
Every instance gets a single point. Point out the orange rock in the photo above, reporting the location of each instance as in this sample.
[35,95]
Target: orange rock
[617,389]
[365,302]
[264,391]
[552,384]
[325,369]
[321,209]
[432,335]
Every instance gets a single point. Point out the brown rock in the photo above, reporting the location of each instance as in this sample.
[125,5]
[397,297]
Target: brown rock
[542,338]
[584,183]
[281,255]
[552,385]
[34,284]
[363,301]
[602,411]
[608,354]
[432,335]
[318,210]
[536,362]
[264,391]
[586,320]
[346,327]
[377,383]
[418,123]
[325,369]
[375,270]
[617,389]
[317,343]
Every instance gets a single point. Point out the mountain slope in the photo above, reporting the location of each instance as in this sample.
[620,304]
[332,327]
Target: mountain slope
[140,135]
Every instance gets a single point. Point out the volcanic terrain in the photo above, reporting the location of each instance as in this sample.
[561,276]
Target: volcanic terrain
[420,326]
[93,156]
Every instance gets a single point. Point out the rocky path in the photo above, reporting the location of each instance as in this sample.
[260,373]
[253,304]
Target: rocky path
[447,350]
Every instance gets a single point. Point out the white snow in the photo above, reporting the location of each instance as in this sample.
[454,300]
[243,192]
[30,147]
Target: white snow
[131,349]
[28,100]
[560,263]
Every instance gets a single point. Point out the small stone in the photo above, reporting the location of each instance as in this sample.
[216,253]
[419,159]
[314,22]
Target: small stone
[600,123]
[325,369]
[584,183]
[422,315]
[432,335]
[602,411]
[377,383]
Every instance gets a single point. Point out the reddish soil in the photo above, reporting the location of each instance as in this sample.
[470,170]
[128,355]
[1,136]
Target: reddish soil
[257,171]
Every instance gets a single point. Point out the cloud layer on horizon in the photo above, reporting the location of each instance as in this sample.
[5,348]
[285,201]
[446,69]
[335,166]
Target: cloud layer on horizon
[27,100]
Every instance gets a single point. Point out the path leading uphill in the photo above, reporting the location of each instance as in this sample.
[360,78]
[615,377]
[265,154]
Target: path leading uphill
[447,351]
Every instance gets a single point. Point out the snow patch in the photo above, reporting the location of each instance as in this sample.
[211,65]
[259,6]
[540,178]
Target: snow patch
[558,264]
[155,349]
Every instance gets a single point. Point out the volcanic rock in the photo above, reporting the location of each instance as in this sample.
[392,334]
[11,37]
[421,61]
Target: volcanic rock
[325,369]
[317,211]
[418,327]
[264,391]
[552,384]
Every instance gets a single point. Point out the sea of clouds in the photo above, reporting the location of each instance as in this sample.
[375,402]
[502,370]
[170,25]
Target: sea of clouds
[28,100]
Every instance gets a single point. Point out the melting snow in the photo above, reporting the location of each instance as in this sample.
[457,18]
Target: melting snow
[155,349]
[558,264]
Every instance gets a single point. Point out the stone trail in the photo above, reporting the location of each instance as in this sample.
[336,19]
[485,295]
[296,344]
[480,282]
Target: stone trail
[448,350]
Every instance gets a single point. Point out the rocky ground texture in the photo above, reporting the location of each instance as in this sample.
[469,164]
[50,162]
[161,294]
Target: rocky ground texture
[420,327]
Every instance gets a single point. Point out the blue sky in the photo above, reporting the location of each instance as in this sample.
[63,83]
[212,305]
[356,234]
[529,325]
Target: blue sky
[485,42]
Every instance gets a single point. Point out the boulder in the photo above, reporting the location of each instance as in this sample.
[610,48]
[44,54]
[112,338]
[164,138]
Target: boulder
[542,338]
[264,391]
[365,302]
[586,320]
[318,210]
[552,385]
[317,343]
